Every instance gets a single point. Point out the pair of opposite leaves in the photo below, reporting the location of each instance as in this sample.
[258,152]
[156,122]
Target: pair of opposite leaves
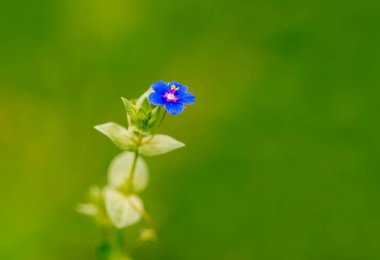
[125,210]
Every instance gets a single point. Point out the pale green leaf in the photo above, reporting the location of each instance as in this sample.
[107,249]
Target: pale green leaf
[120,170]
[88,209]
[129,106]
[159,144]
[142,97]
[118,134]
[123,210]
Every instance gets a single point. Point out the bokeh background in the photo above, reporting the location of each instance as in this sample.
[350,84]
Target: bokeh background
[282,156]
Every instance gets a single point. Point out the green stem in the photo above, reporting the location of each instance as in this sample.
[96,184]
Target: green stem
[162,119]
[143,213]
[134,163]
[112,244]
[132,173]
[130,187]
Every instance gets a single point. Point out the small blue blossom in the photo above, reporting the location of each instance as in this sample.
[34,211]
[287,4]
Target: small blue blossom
[173,96]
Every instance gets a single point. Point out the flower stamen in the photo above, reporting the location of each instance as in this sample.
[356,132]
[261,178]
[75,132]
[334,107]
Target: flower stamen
[173,88]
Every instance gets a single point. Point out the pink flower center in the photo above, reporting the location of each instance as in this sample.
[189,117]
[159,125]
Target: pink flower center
[170,96]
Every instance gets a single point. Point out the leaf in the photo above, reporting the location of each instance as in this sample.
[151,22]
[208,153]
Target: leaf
[134,128]
[118,134]
[155,115]
[145,105]
[88,209]
[123,210]
[142,116]
[143,97]
[129,106]
[130,109]
[159,144]
[120,170]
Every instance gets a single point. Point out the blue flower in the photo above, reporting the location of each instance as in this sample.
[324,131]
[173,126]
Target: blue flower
[173,96]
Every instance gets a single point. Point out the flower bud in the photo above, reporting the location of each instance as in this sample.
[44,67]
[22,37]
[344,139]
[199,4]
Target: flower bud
[148,235]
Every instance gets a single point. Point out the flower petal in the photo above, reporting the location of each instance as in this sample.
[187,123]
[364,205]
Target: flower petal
[174,108]
[187,98]
[157,99]
[181,88]
[160,87]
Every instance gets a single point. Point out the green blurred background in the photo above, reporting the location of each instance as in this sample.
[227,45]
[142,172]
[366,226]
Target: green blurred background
[282,156]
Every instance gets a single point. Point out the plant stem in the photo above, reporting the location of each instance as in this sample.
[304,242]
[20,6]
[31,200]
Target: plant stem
[144,214]
[111,244]
[162,119]
[132,173]
[134,163]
